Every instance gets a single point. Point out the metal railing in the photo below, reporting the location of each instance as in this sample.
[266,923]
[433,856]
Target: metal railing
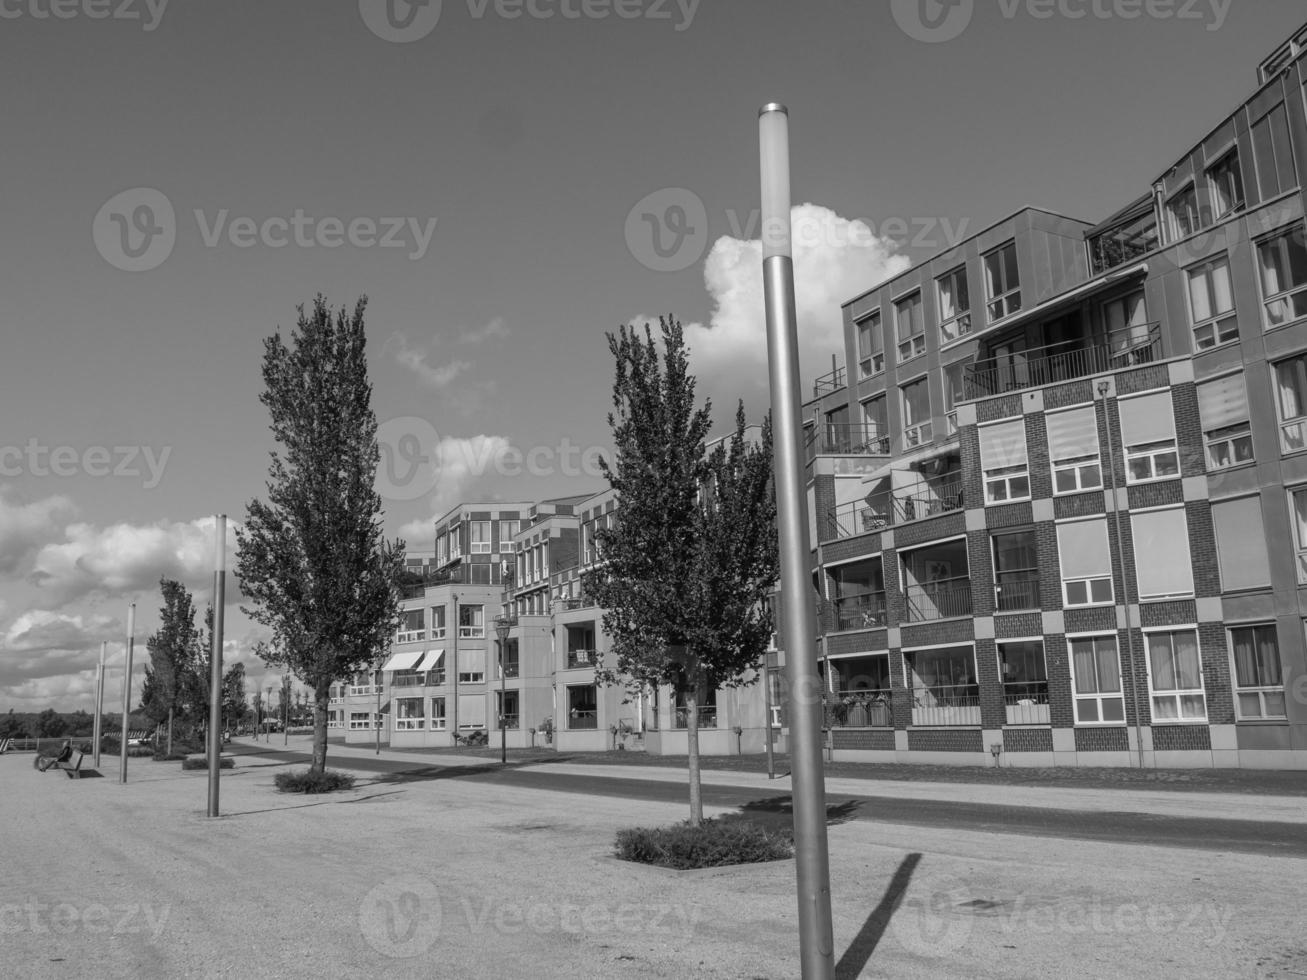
[423,678]
[847,439]
[942,599]
[707,717]
[1016,590]
[858,709]
[1026,704]
[511,669]
[859,517]
[587,720]
[1063,362]
[582,658]
[829,383]
[944,498]
[471,632]
[510,722]
[946,705]
[860,612]
[574,602]
[410,636]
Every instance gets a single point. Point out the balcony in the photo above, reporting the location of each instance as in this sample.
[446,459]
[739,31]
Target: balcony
[1027,704]
[846,439]
[510,671]
[510,723]
[471,632]
[1017,590]
[1039,366]
[860,612]
[707,717]
[944,598]
[583,719]
[859,517]
[410,636]
[947,706]
[572,603]
[942,498]
[582,658]
[858,709]
[830,383]
[422,678]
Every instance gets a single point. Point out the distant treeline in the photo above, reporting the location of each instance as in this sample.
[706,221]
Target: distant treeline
[71,724]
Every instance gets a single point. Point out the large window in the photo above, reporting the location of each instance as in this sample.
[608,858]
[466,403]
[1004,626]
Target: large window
[471,711]
[1148,435]
[1291,402]
[1126,318]
[1258,676]
[412,626]
[1163,568]
[911,326]
[582,707]
[1273,151]
[1283,264]
[1241,550]
[1227,433]
[1002,283]
[1175,677]
[437,622]
[1211,304]
[954,391]
[871,345]
[1025,681]
[1004,462]
[437,714]
[408,715]
[506,531]
[455,541]
[479,532]
[1096,680]
[1086,562]
[1016,571]
[942,686]
[1073,450]
[471,621]
[861,688]
[858,589]
[954,305]
[875,418]
[1182,218]
[471,667]
[1225,177]
[1298,508]
[916,413]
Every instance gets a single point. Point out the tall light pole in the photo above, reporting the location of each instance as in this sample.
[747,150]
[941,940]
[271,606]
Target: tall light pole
[97,732]
[215,658]
[812,860]
[127,692]
[503,626]
[286,709]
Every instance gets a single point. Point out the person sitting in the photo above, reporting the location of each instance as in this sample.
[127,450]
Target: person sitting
[47,762]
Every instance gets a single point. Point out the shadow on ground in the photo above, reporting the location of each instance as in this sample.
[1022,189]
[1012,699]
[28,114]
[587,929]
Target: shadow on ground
[777,813]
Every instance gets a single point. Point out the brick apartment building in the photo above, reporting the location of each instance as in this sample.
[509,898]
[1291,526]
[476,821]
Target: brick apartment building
[1059,496]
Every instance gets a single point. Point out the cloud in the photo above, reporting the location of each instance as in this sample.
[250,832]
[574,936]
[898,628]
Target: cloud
[26,527]
[462,463]
[417,360]
[835,259]
[40,630]
[494,330]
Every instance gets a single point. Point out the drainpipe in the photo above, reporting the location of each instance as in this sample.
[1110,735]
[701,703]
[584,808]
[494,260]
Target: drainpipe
[1103,388]
[453,673]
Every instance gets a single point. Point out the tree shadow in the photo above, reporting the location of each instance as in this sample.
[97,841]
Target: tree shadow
[858,954]
[777,813]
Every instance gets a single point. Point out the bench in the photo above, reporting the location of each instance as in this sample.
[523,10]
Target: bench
[73,770]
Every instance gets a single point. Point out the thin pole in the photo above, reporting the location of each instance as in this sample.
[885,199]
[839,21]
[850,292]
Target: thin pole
[376,680]
[97,723]
[766,714]
[286,711]
[812,860]
[215,659]
[127,692]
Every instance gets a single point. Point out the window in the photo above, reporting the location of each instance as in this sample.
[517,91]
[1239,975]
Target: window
[1283,263]
[1211,304]
[506,705]
[506,531]
[442,550]
[1175,677]
[471,711]
[437,714]
[1148,435]
[1258,678]
[587,543]
[1291,402]
[954,305]
[1241,552]
[471,668]
[1004,462]
[871,346]
[1016,571]
[479,531]
[1002,284]
[408,715]
[582,707]
[1126,318]
[875,418]
[1223,407]
[1273,151]
[1086,562]
[1182,214]
[363,721]
[942,687]
[954,391]
[1225,177]
[1025,681]
[861,672]
[916,413]
[911,327]
[1163,568]
[1096,680]
[412,626]
[1073,449]
[858,591]
[471,621]
[455,542]
[1298,508]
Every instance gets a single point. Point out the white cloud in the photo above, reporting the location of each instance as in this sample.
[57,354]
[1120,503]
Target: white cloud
[25,527]
[42,629]
[462,463]
[834,260]
[417,359]
[494,330]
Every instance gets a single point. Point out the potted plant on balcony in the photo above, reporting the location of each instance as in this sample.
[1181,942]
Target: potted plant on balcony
[546,728]
[621,731]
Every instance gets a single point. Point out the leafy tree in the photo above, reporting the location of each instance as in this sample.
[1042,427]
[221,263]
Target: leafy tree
[12,726]
[234,707]
[169,676]
[313,559]
[692,555]
[50,724]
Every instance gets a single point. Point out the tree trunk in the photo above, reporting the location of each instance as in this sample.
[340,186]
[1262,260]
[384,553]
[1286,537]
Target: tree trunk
[169,752]
[693,699]
[321,695]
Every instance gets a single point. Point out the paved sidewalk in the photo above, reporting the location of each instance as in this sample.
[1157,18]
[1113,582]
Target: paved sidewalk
[1225,806]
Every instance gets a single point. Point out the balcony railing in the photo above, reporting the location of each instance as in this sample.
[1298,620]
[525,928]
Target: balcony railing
[847,439]
[945,706]
[859,517]
[1027,704]
[571,603]
[1016,590]
[510,723]
[423,678]
[942,599]
[582,658]
[860,612]
[410,636]
[583,719]
[829,383]
[941,499]
[707,717]
[471,632]
[1063,362]
[511,670]
[858,709]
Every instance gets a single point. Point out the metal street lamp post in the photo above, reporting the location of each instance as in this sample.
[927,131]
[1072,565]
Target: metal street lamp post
[503,626]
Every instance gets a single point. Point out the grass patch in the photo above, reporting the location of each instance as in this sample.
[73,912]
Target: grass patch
[223,763]
[308,781]
[713,844]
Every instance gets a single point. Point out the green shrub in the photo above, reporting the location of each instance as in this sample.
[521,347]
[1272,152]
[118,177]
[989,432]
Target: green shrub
[223,763]
[713,844]
[308,781]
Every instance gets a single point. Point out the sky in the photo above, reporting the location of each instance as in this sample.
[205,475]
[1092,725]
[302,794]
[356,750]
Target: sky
[507,182]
